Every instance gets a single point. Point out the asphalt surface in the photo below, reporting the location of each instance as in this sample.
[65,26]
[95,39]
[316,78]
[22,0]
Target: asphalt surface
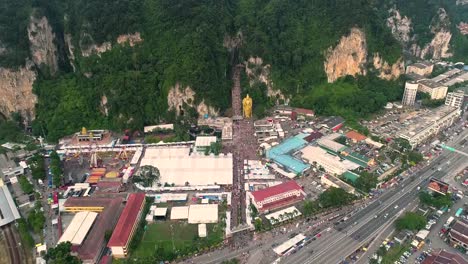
[360,228]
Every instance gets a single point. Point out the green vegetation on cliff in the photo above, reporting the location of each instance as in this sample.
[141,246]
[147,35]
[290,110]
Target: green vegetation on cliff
[184,42]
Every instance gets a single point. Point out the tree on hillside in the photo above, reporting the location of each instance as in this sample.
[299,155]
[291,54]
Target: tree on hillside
[411,221]
[366,181]
[55,168]
[61,255]
[415,157]
[147,175]
[436,200]
[25,185]
[36,163]
[335,197]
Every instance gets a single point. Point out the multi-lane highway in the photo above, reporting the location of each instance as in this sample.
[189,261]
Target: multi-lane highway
[335,245]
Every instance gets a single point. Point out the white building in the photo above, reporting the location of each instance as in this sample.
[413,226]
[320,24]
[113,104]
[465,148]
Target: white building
[434,89]
[321,158]
[8,210]
[409,96]
[429,124]
[204,142]
[455,99]
[420,68]
[177,166]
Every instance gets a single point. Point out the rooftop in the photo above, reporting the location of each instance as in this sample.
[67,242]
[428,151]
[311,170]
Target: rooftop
[106,220]
[78,228]
[284,187]
[127,219]
[281,153]
[179,212]
[8,210]
[203,213]
[355,136]
[205,141]
[333,121]
[424,120]
[443,257]
[178,167]
[430,84]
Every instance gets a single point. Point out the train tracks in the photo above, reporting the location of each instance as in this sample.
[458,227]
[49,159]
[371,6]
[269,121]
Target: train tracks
[12,244]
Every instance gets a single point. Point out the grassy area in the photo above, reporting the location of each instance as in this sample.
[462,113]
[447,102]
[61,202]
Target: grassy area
[394,253]
[167,240]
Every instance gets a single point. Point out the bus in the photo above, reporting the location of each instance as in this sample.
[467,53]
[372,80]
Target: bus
[459,212]
[449,221]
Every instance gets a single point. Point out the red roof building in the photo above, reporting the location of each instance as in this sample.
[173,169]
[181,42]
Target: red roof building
[443,257]
[304,112]
[458,234]
[126,226]
[108,208]
[355,136]
[277,196]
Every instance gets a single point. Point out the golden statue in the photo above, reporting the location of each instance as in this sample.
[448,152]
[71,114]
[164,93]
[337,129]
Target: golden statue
[84,131]
[247,106]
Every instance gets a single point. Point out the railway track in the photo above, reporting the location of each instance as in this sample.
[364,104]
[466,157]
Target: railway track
[12,244]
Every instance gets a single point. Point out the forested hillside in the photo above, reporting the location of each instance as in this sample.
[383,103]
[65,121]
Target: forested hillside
[106,80]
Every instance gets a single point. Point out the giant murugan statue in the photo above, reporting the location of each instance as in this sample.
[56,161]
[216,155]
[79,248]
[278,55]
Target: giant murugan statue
[247,106]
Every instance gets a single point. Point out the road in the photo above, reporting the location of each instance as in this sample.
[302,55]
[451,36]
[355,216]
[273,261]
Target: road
[369,222]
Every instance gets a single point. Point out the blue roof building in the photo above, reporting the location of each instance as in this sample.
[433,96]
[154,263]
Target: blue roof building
[282,154]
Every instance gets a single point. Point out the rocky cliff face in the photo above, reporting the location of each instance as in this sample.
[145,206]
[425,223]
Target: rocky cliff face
[131,39]
[41,43]
[16,91]
[258,72]
[178,96]
[439,46]
[348,57]
[388,72]
[400,26]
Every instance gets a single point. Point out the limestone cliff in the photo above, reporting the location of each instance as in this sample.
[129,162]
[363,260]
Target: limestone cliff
[438,48]
[258,72]
[178,96]
[348,57]
[16,91]
[131,39]
[400,26]
[41,43]
[386,71]
[88,47]
[70,50]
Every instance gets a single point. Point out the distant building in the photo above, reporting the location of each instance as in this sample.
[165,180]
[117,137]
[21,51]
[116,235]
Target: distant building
[441,256]
[304,112]
[277,196]
[109,209]
[334,123]
[451,77]
[420,68]
[455,99]
[458,234]
[204,142]
[333,181]
[409,96]
[434,89]
[127,225]
[355,136]
[429,124]
[149,129]
[330,163]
